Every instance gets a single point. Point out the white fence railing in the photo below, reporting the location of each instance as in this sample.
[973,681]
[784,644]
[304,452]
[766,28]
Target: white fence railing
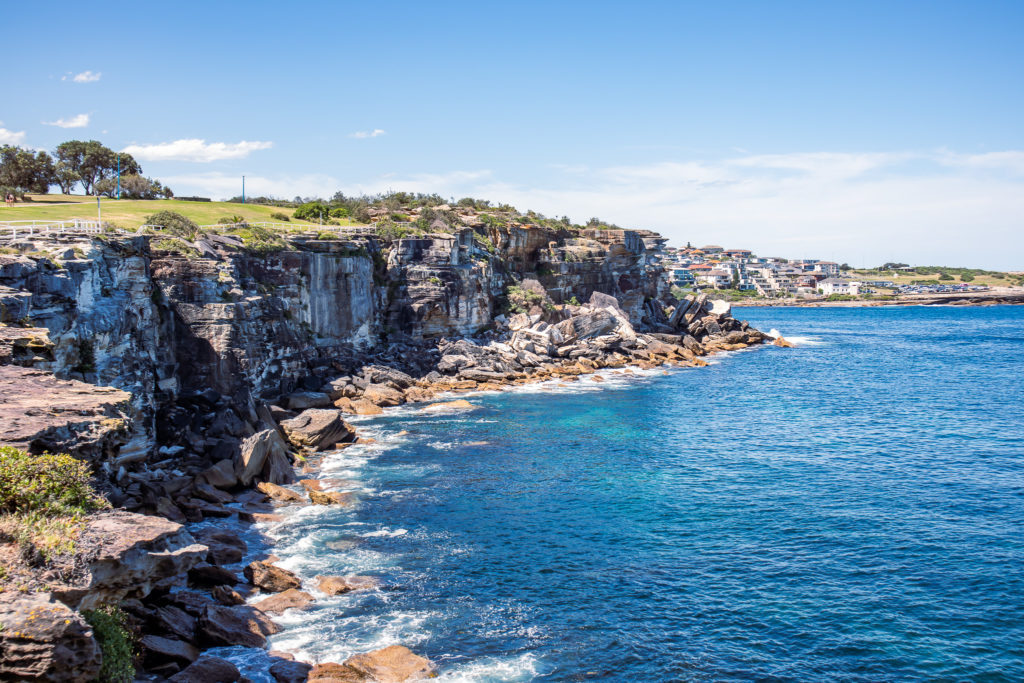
[14,229]
[28,228]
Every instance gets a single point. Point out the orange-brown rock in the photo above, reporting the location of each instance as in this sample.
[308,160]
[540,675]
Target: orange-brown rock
[393,664]
[292,598]
[270,578]
[784,343]
[457,404]
[331,497]
[339,585]
[279,492]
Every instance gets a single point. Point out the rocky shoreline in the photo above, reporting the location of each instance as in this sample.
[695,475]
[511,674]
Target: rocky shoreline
[234,376]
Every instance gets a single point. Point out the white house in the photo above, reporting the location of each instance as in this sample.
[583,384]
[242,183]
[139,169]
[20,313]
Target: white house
[832,285]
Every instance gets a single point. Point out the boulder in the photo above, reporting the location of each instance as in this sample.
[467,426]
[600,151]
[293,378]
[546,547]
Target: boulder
[173,621]
[204,491]
[329,672]
[339,585]
[457,404]
[784,343]
[44,640]
[239,625]
[279,492]
[292,598]
[127,556]
[721,308]
[303,400]
[227,596]
[262,454]
[208,669]
[379,374]
[221,476]
[225,546]
[318,429]
[211,575]
[270,578]
[157,650]
[383,395]
[392,664]
[285,671]
[330,497]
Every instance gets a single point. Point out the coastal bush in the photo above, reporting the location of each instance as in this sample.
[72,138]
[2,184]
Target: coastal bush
[283,217]
[966,277]
[117,643]
[340,212]
[258,240]
[312,211]
[945,276]
[230,220]
[521,300]
[173,245]
[48,484]
[174,223]
[43,501]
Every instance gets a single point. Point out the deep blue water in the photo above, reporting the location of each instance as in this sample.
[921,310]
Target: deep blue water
[852,509]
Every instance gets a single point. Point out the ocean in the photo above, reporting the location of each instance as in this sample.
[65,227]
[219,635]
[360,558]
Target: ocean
[851,509]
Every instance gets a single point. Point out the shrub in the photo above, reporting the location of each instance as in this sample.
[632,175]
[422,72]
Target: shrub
[47,484]
[283,217]
[340,212]
[173,245]
[109,626]
[945,276]
[259,240]
[174,223]
[966,277]
[312,211]
[521,300]
[231,220]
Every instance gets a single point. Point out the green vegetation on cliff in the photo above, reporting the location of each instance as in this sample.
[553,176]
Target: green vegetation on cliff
[43,501]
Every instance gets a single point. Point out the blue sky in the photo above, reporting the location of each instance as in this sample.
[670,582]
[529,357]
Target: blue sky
[859,131]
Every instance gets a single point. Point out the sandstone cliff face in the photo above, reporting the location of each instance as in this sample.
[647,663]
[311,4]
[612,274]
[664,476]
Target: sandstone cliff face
[232,328]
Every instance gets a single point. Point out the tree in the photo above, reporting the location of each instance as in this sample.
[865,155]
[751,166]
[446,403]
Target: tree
[132,187]
[93,162]
[65,176]
[174,223]
[24,170]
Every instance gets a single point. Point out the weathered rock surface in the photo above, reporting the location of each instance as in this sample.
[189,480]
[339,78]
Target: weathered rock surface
[208,669]
[279,493]
[42,413]
[330,497]
[157,650]
[127,556]
[264,455]
[392,664]
[338,585]
[270,578]
[239,625]
[285,671]
[225,546]
[318,429]
[291,598]
[44,640]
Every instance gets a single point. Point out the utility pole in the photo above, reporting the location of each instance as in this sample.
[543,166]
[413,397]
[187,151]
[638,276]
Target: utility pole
[243,189]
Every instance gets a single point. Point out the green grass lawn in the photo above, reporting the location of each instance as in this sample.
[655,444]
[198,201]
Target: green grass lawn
[131,213]
[909,278]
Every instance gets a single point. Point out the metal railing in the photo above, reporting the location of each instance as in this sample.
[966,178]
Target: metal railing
[14,229]
[79,226]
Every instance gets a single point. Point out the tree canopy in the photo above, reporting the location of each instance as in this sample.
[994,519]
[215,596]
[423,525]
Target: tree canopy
[93,162]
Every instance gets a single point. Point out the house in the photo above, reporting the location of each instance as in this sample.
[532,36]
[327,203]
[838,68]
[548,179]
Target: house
[719,279]
[830,286]
[826,268]
[712,249]
[682,277]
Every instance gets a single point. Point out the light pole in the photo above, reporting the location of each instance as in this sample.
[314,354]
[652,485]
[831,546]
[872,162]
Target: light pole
[243,189]
[99,212]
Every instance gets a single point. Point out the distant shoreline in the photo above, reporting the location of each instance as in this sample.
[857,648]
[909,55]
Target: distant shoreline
[1010,297]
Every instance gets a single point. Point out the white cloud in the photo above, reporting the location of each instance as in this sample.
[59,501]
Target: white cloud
[80,121]
[363,134]
[195,149]
[11,137]
[85,77]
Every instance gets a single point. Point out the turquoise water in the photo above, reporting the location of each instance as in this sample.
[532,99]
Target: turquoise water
[852,509]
